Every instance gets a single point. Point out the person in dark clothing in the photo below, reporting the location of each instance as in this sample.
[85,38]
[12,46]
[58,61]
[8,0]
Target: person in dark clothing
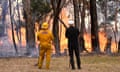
[72,34]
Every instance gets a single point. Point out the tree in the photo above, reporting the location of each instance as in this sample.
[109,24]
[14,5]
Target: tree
[4,12]
[40,9]
[13,36]
[119,46]
[18,26]
[57,7]
[82,8]
[76,13]
[30,34]
[94,26]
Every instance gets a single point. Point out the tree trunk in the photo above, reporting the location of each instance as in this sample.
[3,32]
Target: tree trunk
[119,46]
[76,14]
[94,26]
[105,11]
[56,5]
[108,45]
[4,12]
[19,24]
[30,34]
[83,18]
[116,27]
[82,29]
[56,35]
[13,36]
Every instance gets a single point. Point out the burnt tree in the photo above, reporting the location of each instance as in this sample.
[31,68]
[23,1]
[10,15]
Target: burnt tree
[30,34]
[94,26]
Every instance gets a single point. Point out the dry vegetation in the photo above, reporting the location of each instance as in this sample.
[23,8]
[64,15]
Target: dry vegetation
[61,64]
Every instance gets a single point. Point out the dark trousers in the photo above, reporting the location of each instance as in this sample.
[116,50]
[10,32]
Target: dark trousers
[75,50]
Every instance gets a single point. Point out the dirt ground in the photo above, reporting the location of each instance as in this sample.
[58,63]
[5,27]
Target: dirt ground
[61,64]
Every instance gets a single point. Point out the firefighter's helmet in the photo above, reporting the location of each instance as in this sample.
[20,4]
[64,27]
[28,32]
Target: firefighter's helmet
[44,25]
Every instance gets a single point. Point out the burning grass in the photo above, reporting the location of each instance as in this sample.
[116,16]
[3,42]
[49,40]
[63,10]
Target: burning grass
[61,64]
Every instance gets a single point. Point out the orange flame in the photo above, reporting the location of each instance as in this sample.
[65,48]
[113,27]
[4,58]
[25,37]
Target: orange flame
[63,43]
[102,41]
[23,39]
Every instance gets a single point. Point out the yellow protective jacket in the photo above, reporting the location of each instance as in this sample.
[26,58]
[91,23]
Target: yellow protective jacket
[45,37]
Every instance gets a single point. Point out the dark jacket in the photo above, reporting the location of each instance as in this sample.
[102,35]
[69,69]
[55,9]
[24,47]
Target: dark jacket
[72,34]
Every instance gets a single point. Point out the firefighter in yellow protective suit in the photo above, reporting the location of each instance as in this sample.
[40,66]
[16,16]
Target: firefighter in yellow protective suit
[46,38]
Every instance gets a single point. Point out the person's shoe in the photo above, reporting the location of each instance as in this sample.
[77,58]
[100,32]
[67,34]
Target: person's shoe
[73,68]
[79,68]
[39,67]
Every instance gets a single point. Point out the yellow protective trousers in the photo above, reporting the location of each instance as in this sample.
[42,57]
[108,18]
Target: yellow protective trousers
[44,51]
